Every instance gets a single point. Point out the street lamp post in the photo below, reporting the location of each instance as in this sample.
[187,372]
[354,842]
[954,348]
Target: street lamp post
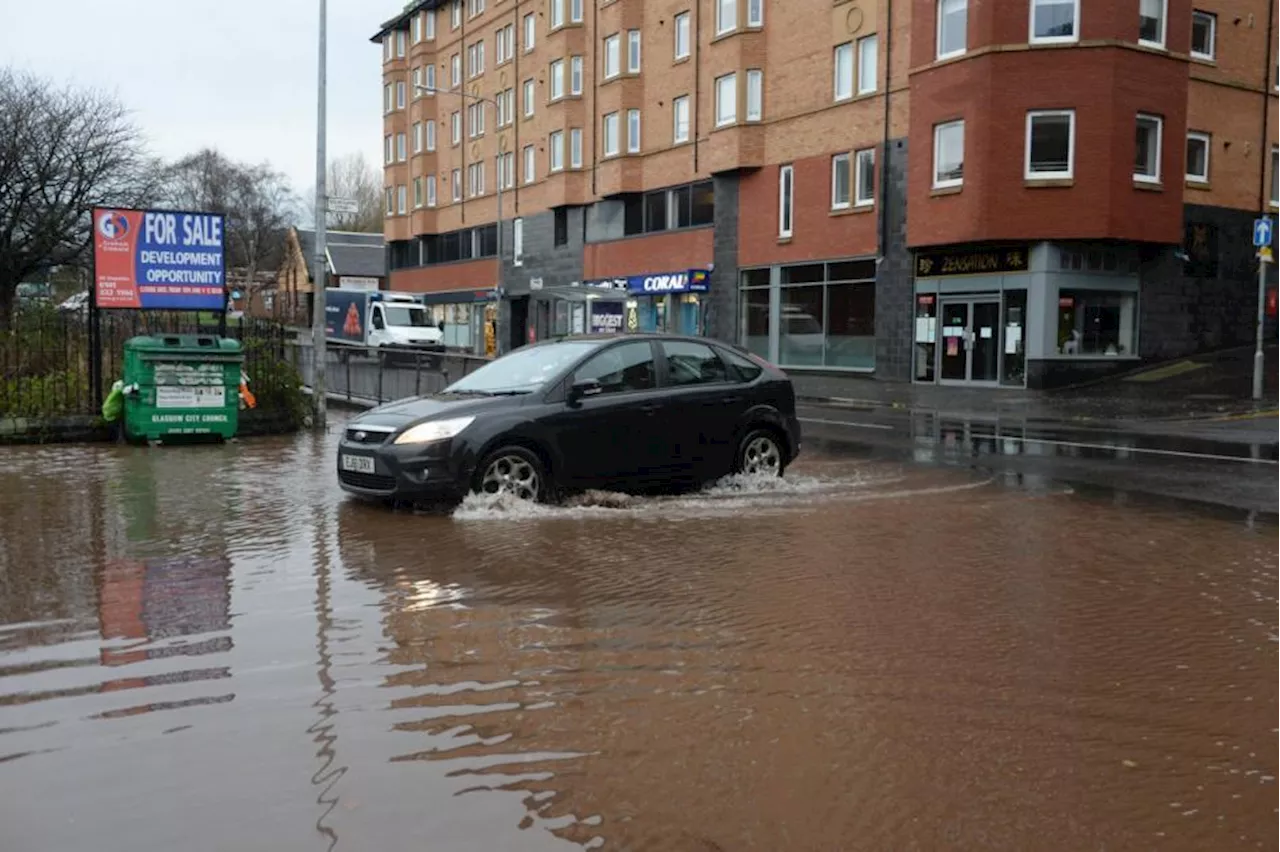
[318,353]
[500,331]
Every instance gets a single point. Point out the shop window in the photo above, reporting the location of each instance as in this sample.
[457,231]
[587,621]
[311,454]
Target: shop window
[1097,323]
[755,311]
[850,326]
[693,363]
[623,368]
[925,336]
[1014,339]
[800,336]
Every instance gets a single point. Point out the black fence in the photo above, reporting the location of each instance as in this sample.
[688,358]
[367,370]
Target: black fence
[51,368]
[363,375]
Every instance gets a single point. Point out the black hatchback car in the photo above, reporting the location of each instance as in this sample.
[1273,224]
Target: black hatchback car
[627,412]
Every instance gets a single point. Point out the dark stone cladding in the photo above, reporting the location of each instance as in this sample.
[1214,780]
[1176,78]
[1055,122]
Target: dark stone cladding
[894,277]
[557,266]
[721,321]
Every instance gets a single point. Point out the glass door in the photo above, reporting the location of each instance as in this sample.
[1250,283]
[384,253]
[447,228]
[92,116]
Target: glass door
[953,354]
[969,349]
[984,334]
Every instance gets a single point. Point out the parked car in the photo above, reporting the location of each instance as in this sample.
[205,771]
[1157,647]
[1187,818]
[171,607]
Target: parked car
[623,412]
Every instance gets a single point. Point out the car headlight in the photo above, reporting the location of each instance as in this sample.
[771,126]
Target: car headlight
[434,430]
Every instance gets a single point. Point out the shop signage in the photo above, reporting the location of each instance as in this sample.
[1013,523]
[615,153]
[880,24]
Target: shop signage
[933,264]
[658,284]
[606,317]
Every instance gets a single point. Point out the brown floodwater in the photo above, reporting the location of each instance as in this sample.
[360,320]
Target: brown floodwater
[211,649]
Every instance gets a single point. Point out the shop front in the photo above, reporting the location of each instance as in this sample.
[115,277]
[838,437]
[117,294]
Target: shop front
[669,302]
[591,308]
[1023,315]
[468,318]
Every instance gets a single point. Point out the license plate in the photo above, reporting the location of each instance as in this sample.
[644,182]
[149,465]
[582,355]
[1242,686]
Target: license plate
[357,464]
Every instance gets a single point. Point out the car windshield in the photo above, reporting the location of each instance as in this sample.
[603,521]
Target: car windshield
[524,370]
[405,315]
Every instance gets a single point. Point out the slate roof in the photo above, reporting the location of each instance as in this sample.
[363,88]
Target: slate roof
[349,253]
[401,21]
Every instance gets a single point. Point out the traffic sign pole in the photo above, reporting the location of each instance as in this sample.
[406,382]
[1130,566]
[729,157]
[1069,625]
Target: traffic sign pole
[1262,239]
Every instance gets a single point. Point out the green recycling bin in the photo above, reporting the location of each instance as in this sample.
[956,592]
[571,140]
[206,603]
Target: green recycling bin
[182,386]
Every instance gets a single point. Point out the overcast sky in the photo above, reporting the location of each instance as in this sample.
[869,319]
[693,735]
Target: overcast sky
[237,75]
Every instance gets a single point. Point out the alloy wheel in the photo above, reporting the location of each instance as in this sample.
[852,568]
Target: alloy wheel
[511,474]
[762,455]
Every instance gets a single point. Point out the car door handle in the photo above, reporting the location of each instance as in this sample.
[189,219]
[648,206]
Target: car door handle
[649,407]
[731,400]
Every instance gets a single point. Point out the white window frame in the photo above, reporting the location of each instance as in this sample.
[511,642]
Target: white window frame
[431,190]
[556,75]
[681,36]
[455,127]
[530,163]
[416,28]
[755,13]
[633,131]
[1212,55]
[1069,173]
[612,56]
[530,94]
[937,44]
[429,79]
[868,43]
[1207,139]
[633,51]
[388,149]
[575,147]
[530,32]
[726,16]
[476,7]
[678,105]
[846,159]
[402,198]
[1159,125]
[1159,43]
[402,148]
[401,38]
[419,199]
[555,151]
[555,15]
[575,75]
[400,92]
[456,184]
[575,11]
[455,70]
[517,241]
[390,197]
[863,196]
[947,183]
[786,200]
[507,170]
[388,99]
[1031,24]
[429,130]
[455,14]
[723,118]
[504,44]
[429,24]
[755,94]
[611,130]
[387,47]
[843,85]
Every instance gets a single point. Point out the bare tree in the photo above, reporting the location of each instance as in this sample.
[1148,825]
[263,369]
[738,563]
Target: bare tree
[353,176]
[256,200]
[62,151]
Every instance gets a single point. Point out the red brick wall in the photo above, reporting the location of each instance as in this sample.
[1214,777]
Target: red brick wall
[666,252]
[468,275]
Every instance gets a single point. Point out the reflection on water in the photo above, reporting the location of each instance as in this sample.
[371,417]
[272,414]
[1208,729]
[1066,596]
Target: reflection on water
[208,648]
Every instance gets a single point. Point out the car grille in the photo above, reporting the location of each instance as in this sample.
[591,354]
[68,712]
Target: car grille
[356,435]
[367,481]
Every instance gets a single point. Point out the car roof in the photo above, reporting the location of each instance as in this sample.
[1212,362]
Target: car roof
[608,337]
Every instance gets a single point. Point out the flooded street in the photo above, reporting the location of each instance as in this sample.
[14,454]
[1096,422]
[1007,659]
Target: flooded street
[213,649]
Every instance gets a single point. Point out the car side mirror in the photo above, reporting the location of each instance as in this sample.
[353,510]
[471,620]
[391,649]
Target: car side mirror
[583,388]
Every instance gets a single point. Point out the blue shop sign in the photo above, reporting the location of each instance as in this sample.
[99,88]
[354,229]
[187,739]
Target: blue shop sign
[659,284]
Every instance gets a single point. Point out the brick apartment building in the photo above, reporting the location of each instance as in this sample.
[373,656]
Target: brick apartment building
[1020,193]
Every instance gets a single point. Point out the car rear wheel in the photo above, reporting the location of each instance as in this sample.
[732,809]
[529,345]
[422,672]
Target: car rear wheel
[514,471]
[760,453]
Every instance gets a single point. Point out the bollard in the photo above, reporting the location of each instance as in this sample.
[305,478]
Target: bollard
[382,361]
[417,374]
[348,363]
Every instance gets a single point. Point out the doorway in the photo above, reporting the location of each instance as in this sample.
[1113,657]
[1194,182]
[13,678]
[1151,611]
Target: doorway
[970,350]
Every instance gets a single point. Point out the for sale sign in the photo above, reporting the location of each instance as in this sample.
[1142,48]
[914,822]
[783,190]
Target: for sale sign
[159,260]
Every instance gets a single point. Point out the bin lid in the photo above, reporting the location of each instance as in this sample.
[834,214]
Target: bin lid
[184,347]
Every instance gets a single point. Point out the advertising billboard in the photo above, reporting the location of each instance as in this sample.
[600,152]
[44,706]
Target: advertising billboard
[159,260]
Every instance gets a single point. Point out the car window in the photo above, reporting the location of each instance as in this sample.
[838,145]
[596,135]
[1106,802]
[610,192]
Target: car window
[693,363]
[742,367]
[622,368]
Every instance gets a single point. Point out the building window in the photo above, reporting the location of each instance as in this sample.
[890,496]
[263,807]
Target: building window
[1146,164]
[825,315]
[386,47]
[1051,138]
[842,63]
[575,147]
[557,13]
[575,11]
[530,163]
[402,196]
[506,107]
[504,44]
[429,76]
[517,242]
[1151,20]
[417,29]
[417,137]
[1097,322]
[682,35]
[429,24]
[528,98]
[455,70]
[867,52]
[402,152]
[864,184]
[575,75]
[418,198]
[475,7]
[612,56]
[684,206]
[786,200]
[633,51]
[1198,146]
[726,99]
[475,179]
[431,190]
[556,73]
[455,122]
[475,120]
[507,170]
[388,99]
[1054,21]
[417,84]
[457,184]
[953,27]
[755,94]
[680,119]
[475,59]
[555,151]
[611,135]
[726,16]
[400,40]
[948,154]
[1204,34]
[391,201]
[400,87]
[530,30]
[633,131]
[841,182]
[430,130]
[455,14]
[755,13]
[388,149]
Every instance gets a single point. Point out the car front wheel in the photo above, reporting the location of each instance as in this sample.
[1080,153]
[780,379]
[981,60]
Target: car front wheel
[515,471]
[760,453]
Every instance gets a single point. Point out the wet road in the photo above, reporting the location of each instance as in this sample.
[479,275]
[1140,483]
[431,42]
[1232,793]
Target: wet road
[210,649]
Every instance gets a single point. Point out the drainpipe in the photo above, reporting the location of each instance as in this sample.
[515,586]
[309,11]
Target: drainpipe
[696,106]
[1265,154]
[884,157]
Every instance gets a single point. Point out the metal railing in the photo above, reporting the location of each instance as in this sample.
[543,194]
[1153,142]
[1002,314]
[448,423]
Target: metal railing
[365,375]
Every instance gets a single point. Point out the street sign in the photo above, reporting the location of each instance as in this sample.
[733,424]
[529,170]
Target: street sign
[1262,231]
[1264,254]
[343,205]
